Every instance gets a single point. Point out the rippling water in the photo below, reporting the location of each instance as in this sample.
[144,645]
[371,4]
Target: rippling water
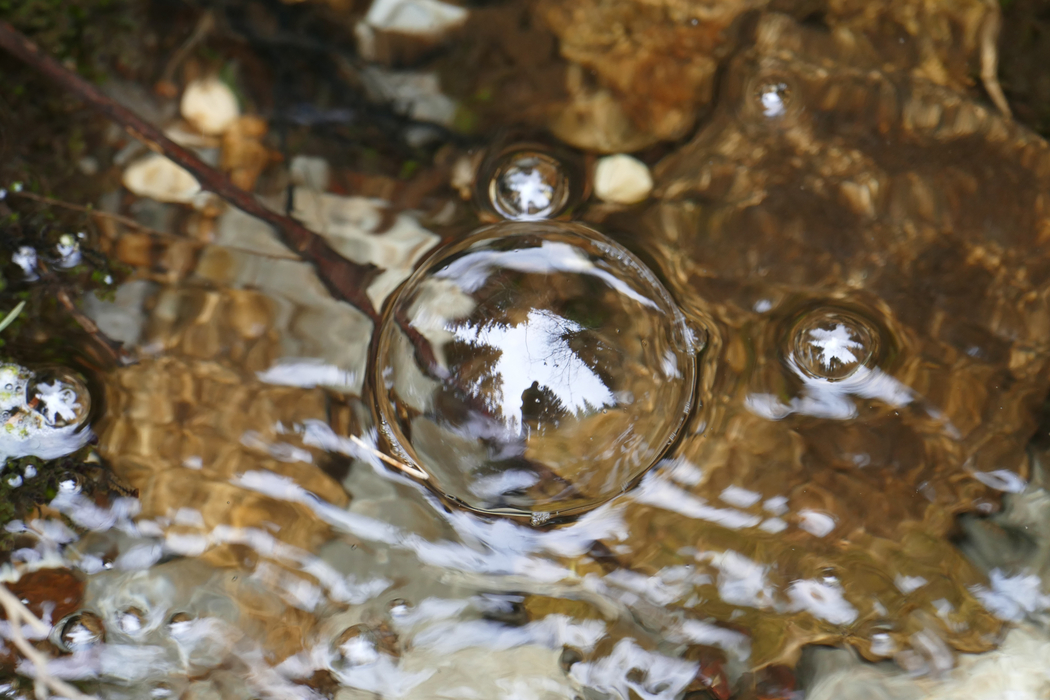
[558,471]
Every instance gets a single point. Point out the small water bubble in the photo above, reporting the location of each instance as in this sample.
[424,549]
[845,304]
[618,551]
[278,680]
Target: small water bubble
[68,251]
[399,607]
[833,344]
[179,623]
[80,631]
[356,646]
[528,186]
[60,396]
[773,98]
[161,690]
[71,482]
[14,481]
[25,258]
[179,618]
[131,621]
[16,187]
[568,658]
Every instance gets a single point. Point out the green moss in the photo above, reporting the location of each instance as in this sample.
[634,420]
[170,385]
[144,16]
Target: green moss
[79,31]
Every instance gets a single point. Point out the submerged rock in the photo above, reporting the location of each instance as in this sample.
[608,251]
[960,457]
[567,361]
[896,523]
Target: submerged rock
[866,246]
[657,58]
[209,105]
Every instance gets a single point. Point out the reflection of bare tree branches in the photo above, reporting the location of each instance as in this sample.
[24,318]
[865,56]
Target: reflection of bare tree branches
[18,615]
[543,345]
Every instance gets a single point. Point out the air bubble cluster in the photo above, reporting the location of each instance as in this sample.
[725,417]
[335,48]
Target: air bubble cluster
[44,412]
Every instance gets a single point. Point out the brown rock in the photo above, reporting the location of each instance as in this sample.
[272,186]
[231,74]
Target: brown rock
[822,181]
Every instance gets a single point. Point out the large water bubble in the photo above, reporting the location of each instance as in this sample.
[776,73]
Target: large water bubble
[533,369]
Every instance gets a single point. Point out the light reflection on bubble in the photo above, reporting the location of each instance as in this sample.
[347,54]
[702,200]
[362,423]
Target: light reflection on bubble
[80,631]
[833,344]
[528,186]
[544,336]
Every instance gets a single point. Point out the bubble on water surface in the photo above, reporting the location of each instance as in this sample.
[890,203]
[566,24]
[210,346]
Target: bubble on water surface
[833,344]
[773,97]
[362,645]
[527,186]
[554,371]
[80,631]
[61,397]
[399,607]
[44,412]
[770,99]
[131,621]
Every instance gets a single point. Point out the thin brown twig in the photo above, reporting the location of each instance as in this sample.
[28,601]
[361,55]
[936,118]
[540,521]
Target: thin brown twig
[989,46]
[90,211]
[345,279]
[132,223]
[115,350]
[204,26]
[17,615]
[407,468]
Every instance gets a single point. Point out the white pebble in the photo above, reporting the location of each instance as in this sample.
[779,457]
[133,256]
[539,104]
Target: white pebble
[621,179]
[429,19]
[209,105]
[161,179]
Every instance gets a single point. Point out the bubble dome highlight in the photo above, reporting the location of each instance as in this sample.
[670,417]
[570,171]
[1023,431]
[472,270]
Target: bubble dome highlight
[561,370]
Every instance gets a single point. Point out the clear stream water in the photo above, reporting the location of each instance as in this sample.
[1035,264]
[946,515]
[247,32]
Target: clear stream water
[555,472]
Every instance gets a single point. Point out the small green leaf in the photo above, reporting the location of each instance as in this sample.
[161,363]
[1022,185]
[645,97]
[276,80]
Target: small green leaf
[10,318]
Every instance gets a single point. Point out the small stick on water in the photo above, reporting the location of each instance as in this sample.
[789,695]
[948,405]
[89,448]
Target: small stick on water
[410,470]
[205,25]
[344,279]
[989,40]
[90,211]
[113,348]
[18,615]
